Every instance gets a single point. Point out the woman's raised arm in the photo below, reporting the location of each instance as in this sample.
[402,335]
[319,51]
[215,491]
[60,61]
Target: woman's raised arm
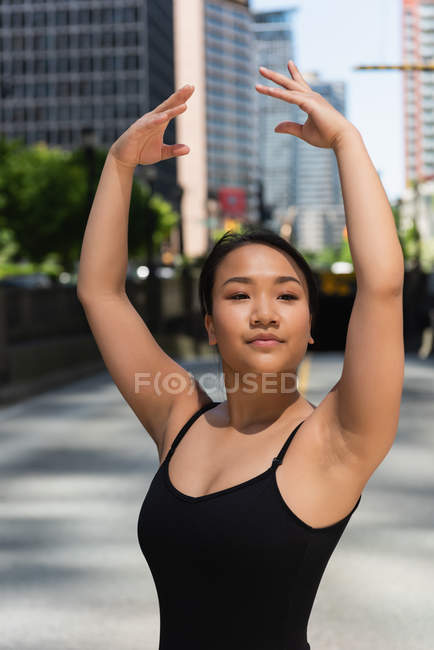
[364,405]
[104,252]
[137,364]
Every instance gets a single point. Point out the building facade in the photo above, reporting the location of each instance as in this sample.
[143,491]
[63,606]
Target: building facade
[230,96]
[274,35]
[319,210]
[69,65]
[214,45]
[301,182]
[418,89]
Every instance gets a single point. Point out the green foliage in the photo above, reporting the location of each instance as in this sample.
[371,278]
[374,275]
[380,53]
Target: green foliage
[8,245]
[151,217]
[323,259]
[411,243]
[344,254]
[416,249]
[41,194]
[45,197]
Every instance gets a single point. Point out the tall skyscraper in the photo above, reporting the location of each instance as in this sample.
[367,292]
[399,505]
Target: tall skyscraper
[418,47]
[320,215]
[66,65]
[274,34]
[214,45]
[301,182]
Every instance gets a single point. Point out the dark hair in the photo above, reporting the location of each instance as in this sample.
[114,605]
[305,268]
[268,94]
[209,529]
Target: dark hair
[232,240]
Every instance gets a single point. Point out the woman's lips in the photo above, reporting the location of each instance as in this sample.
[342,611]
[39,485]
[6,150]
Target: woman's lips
[265,343]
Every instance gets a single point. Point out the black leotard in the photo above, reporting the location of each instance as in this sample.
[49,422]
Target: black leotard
[234,569]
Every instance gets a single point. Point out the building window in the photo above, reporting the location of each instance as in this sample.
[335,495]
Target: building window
[132,62]
[85,64]
[84,40]
[61,18]
[73,41]
[84,88]
[40,90]
[63,112]
[108,87]
[17,19]
[63,89]
[84,16]
[130,14]
[18,43]
[130,38]
[108,62]
[107,39]
[86,112]
[39,19]
[132,86]
[62,64]
[107,15]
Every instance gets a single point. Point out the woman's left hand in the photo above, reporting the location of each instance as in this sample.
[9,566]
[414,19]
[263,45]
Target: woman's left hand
[324,125]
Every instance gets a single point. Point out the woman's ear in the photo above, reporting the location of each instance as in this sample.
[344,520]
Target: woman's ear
[310,327]
[209,326]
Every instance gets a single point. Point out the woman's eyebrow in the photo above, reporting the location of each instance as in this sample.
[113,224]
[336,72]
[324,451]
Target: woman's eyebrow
[278,280]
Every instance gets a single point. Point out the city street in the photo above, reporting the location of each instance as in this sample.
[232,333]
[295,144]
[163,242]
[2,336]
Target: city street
[75,466]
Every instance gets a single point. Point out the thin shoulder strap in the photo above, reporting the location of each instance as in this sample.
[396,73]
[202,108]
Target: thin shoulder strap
[187,425]
[279,458]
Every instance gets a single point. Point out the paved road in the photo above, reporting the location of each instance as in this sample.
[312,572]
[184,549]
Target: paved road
[75,467]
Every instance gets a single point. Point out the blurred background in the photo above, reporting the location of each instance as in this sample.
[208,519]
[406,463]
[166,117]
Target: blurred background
[74,74]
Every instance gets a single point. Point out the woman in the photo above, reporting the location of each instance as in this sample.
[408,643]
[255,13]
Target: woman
[237,527]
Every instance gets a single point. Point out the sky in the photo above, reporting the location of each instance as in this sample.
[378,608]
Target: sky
[331,37]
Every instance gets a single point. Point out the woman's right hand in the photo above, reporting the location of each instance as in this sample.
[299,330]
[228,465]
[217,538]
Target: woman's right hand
[142,143]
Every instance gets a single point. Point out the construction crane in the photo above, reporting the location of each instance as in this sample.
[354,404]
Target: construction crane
[402,66]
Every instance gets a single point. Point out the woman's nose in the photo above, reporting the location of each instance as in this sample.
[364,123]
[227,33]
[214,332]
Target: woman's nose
[264,311]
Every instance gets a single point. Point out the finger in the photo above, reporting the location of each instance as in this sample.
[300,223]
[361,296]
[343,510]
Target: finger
[169,113]
[159,118]
[292,96]
[294,71]
[293,128]
[171,150]
[290,84]
[181,95]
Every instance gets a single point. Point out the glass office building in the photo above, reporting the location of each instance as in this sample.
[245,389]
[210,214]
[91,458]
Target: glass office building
[274,36]
[69,65]
[230,101]
[301,182]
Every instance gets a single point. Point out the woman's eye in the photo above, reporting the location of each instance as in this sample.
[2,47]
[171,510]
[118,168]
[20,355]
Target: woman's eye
[238,295]
[284,295]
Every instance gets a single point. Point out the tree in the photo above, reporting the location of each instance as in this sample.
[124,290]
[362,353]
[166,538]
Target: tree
[44,203]
[41,194]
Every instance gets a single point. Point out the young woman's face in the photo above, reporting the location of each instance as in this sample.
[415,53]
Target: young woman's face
[262,305]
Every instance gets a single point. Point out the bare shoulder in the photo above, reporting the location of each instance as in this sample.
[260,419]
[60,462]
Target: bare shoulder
[182,409]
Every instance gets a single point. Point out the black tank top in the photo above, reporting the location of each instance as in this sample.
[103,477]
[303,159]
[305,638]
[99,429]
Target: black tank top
[234,569]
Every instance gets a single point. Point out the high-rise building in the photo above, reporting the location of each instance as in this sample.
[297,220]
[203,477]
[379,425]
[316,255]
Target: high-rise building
[274,34]
[418,89]
[213,50]
[68,65]
[319,208]
[301,182]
